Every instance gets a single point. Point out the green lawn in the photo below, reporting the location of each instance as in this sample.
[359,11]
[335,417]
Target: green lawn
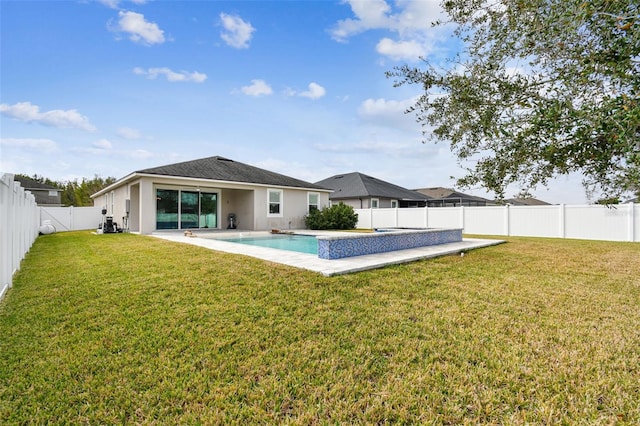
[104,329]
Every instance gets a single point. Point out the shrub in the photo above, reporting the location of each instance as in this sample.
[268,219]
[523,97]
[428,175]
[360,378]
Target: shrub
[338,216]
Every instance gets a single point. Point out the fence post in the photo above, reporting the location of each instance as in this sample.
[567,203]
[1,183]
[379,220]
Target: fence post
[563,232]
[507,230]
[426,216]
[462,217]
[632,231]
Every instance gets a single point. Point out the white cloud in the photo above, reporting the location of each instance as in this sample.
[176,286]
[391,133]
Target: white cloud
[257,88]
[129,133]
[378,107]
[102,144]
[315,91]
[140,30]
[410,20]
[39,145]
[172,76]
[389,113]
[401,50]
[139,154]
[25,111]
[237,32]
[113,4]
[369,15]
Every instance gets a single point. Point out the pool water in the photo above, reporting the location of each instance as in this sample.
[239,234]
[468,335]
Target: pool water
[300,243]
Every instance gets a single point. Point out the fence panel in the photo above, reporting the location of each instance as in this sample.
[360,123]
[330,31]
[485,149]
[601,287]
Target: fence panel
[598,222]
[19,224]
[535,221]
[588,222]
[72,218]
[445,217]
[490,220]
[413,218]
[384,218]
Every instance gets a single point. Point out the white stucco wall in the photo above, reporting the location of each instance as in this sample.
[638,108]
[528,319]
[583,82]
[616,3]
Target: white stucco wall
[248,202]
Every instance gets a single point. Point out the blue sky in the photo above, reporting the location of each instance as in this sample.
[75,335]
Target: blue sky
[298,87]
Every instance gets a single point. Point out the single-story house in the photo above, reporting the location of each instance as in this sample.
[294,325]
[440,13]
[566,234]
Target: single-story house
[363,192]
[45,195]
[445,197]
[209,193]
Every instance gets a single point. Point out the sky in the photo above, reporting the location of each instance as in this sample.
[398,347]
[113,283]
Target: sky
[106,88]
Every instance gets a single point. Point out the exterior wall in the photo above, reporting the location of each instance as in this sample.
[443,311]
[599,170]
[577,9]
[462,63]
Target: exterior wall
[247,202]
[44,199]
[365,203]
[294,209]
[240,203]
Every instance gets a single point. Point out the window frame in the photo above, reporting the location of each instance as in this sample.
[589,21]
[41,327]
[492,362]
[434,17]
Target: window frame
[280,202]
[309,204]
[394,204]
[375,201]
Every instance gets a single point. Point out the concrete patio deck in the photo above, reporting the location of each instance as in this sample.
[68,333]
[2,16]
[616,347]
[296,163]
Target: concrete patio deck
[313,262]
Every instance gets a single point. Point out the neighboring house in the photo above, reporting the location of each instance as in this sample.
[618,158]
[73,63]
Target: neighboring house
[209,193]
[45,195]
[445,197]
[362,192]
[526,202]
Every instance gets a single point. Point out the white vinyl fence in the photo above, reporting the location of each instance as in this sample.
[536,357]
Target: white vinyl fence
[72,218]
[587,222]
[19,223]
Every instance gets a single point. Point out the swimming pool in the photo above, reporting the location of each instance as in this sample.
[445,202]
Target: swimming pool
[332,246]
[300,243]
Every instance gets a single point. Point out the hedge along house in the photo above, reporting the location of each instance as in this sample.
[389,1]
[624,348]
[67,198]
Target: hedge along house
[209,193]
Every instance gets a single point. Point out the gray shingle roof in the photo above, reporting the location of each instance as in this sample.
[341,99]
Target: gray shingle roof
[440,193]
[28,183]
[356,185]
[224,169]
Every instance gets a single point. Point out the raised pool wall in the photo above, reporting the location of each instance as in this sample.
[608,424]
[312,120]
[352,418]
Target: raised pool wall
[338,247]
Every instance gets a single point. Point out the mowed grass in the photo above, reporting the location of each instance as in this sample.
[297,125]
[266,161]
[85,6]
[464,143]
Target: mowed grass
[104,329]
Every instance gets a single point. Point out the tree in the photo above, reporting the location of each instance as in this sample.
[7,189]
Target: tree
[74,193]
[541,88]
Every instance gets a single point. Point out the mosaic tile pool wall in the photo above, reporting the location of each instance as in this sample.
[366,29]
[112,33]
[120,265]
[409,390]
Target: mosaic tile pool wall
[338,247]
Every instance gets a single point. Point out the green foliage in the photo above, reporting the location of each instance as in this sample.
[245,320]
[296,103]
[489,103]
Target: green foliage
[541,88]
[338,216]
[74,193]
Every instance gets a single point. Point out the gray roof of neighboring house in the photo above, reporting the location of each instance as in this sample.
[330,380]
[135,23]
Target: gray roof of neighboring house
[440,193]
[28,183]
[357,185]
[224,169]
[526,202]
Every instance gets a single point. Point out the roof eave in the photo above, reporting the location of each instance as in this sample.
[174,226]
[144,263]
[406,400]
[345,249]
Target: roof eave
[134,175]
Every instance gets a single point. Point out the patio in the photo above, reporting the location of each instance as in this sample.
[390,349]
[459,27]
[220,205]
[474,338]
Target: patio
[326,267]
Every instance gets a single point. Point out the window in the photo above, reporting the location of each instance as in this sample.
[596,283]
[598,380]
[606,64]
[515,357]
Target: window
[182,209]
[374,203]
[313,201]
[394,204]
[275,202]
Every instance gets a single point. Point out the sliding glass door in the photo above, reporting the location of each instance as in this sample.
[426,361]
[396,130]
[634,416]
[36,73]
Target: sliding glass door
[183,209]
